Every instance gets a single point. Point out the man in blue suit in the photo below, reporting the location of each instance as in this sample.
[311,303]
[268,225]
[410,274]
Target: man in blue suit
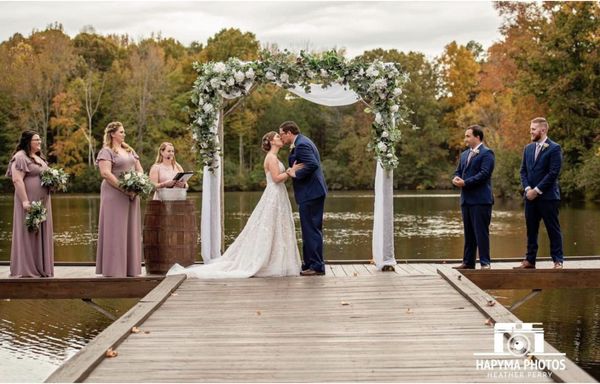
[474,177]
[542,161]
[309,191]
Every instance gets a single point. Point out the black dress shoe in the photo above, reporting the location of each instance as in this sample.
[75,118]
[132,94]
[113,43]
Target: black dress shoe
[311,272]
[388,268]
[464,266]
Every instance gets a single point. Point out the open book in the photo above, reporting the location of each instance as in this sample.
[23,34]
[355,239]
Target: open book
[183,176]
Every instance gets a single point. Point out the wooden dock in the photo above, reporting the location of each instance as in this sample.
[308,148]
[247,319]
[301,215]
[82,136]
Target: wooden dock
[422,323]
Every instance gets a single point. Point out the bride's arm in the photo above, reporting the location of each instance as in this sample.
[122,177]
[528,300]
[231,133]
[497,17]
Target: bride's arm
[273,168]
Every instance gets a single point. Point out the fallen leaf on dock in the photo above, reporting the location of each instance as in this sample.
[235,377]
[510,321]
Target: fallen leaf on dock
[354,274]
[459,277]
[146,332]
[345,303]
[409,311]
[258,313]
[174,294]
[491,303]
[135,330]
[489,321]
[111,353]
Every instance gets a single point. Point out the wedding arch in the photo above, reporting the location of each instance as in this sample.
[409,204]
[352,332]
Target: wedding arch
[327,79]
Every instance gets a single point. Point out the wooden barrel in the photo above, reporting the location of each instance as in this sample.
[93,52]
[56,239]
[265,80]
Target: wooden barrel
[170,235]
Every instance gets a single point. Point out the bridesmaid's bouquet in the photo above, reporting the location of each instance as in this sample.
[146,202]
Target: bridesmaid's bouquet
[35,216]
[55,178]
[138,183]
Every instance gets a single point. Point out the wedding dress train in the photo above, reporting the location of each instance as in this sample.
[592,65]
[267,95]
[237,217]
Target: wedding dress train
[266,246]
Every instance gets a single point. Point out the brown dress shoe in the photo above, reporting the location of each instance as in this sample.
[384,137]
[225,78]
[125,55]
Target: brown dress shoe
[311,272]
[558,265]
[525,265]
[463,266]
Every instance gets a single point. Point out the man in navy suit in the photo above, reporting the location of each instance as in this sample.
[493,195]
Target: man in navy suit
[474,177]
[309,191]
[542,161]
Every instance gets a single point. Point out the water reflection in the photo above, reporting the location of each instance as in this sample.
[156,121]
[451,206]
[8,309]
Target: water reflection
[570,318]
[36,336]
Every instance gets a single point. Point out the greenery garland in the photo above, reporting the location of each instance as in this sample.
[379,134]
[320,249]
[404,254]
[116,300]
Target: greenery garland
[379,84]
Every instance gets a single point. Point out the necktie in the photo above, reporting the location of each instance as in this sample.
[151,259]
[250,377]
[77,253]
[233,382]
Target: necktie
[471,154]
[538,147]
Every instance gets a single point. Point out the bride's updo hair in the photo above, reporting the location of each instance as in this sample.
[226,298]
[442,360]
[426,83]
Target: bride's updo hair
[266,141]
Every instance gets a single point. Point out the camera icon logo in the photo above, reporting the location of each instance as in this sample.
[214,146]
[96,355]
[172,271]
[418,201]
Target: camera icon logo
[524,339]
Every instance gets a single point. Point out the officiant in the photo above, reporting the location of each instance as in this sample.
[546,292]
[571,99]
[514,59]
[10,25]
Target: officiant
[165,169]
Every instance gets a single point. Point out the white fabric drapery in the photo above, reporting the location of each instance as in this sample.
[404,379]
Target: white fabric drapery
[383,218]
[335,95]
[210,227]
[383,221]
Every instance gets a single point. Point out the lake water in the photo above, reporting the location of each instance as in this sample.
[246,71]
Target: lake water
[37,335]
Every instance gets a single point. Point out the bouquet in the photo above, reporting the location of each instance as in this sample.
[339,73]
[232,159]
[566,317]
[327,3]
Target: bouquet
[55,179]
[138,183]
[35,216]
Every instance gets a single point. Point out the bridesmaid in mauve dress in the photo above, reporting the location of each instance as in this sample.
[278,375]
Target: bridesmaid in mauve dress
[165,168]
[32,253]
[119,252]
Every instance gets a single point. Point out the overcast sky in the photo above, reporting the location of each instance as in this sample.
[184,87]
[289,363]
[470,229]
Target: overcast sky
[357,26]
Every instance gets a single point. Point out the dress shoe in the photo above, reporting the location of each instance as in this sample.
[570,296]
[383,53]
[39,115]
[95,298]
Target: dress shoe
[388,268]
[525,265]
[311,272]
[558,265]
[486,266]
[463,266]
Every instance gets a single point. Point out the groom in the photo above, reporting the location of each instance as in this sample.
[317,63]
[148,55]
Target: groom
[309,191]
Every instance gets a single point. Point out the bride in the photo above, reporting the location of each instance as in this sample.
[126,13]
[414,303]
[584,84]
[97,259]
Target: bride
[267,245]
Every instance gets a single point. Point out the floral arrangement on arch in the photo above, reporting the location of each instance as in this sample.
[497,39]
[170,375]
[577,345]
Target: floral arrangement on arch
[379,84]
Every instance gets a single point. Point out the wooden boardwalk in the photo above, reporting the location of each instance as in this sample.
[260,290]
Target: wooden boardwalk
[422,323]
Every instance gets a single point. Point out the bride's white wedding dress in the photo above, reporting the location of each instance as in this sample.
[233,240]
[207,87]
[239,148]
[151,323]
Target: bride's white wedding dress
[266,246]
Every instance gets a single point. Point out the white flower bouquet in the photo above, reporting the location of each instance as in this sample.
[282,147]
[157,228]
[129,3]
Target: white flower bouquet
[136,182]
[35,216]
[54,178]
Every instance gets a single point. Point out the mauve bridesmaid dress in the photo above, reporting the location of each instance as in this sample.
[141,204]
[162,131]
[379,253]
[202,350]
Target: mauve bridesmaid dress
[119,252]
[32,253]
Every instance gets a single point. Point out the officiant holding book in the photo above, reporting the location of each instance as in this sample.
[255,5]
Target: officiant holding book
[165,170]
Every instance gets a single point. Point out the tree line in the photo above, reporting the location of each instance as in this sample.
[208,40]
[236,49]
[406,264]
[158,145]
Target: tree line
[546,64]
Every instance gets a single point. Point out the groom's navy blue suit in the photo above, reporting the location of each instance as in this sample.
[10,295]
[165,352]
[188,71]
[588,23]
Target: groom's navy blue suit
[309,191]
[542,173]
[476,200]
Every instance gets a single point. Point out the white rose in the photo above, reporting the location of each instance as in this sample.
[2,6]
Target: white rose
[361,72]
[215,83]
[250,74]
[382,147]
[397,92]
[385,134]
[324,73]
[207,108]
[390,155]
[284,77]
[270,76]
[55,172]
[142,181]
[380,83]
[372,72]
[247,85]
[394,108]
[127,176]
[199,121]
[378,118]
[230,81]
[239,76]
[220,67]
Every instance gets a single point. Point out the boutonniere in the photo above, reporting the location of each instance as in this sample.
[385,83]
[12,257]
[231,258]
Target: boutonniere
[292,146]
[545,145]
[476,152]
